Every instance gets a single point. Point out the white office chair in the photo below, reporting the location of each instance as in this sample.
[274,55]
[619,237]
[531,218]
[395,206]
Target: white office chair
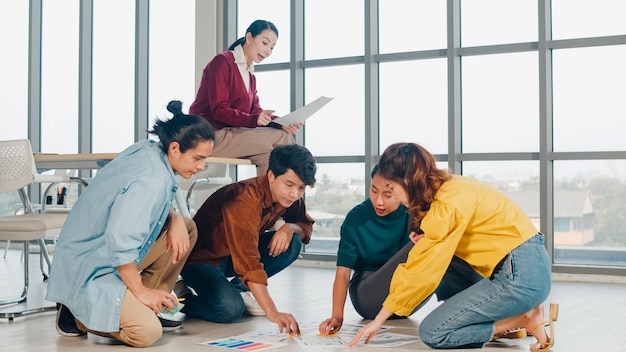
[47,199]
[18,171]
[201,185]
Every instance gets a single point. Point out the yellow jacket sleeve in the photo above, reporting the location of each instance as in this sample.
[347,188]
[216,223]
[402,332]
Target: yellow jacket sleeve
[428,261]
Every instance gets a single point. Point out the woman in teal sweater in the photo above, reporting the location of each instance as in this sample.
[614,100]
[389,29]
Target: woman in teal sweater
[374,240]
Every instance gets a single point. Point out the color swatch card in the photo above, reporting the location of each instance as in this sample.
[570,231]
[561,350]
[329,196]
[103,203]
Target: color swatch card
[243,345]
[173,311]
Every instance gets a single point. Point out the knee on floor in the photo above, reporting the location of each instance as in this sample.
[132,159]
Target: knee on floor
[143,335]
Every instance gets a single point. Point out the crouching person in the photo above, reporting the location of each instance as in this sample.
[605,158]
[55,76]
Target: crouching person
[241,236]
[122,246]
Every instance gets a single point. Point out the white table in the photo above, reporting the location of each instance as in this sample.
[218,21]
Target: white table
[86,161]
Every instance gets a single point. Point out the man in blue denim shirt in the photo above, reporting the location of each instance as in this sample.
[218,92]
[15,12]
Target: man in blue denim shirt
[122,245]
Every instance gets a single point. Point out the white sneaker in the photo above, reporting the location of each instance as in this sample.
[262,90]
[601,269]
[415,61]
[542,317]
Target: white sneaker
[252,306]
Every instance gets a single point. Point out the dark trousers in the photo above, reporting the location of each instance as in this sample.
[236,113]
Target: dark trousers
[219,299]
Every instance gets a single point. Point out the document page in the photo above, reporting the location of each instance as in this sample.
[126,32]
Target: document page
[303,113]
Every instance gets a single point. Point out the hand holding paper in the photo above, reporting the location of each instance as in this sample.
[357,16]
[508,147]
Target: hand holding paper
[293,128]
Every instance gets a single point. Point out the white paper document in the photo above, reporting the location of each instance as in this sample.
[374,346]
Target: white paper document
[310,339]
[303,113]
[381,339]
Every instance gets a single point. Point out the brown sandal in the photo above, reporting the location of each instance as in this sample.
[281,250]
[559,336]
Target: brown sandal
[515,333]
[546,345]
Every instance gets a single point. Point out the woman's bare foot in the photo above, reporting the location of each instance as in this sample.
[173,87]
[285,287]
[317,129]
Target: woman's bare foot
[534,323]
[534,326]
[528,320]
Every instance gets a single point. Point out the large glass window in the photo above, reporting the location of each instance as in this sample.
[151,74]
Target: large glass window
[113,75]
[414,104]
[589,102]
[581,18]
[495,102]
[338,128]
[517,179]
[171,75]
[14,69]
[483,118]
[409,25]
[338,189]
[500,110]
[489,22]
[590,212]
[59,76]
[273,91]
[333,33]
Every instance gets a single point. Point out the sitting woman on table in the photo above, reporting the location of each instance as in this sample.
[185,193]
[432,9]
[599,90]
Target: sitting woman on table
[227,98]
[475,248]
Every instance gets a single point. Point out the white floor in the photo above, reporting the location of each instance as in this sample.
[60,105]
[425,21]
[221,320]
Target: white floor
[591,316]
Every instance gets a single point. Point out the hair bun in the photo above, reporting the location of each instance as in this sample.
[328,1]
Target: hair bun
[175,107]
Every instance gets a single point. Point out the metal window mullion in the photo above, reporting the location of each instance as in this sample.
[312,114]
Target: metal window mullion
[142,48]
[85,76]
[372,90]
[296,71]
[34,74]
[34,82]
[454,85]
[85,80]
[546,163]
[229,29]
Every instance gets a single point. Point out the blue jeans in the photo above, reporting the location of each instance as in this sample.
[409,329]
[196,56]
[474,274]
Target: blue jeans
[472,304]
[219,300]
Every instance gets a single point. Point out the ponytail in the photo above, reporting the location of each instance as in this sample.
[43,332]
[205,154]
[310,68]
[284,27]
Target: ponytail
[186,130]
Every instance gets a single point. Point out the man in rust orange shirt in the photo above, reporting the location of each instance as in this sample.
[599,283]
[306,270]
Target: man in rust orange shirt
[250,230]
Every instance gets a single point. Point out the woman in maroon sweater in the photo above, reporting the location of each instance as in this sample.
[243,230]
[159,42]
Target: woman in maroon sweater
[227,98]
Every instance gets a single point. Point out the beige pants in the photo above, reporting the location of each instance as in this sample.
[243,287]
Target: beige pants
[139,326]
[254,144]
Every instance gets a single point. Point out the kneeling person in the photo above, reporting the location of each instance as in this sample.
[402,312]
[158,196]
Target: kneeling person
[374,240]
[236,239]
[122,246]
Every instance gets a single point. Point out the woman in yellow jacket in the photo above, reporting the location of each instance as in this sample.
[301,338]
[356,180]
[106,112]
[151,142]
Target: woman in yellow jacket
[475,248]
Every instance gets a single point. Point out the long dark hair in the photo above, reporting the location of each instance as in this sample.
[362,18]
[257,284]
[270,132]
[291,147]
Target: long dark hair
[413,167]
[187,130]
[255,29]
